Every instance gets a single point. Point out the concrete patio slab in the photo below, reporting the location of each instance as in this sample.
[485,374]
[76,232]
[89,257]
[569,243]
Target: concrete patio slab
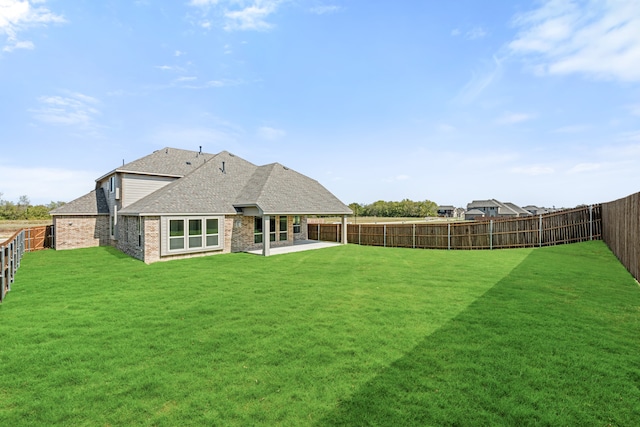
[298,246]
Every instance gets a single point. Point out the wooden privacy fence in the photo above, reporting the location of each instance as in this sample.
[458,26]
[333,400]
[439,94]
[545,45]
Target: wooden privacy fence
[621,231]
[12,250]
[567,226]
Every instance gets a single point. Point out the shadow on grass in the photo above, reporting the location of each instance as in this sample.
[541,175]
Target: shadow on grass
[537,348]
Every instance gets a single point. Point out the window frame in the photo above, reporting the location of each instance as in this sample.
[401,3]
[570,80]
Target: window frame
[297,224]
[191,232]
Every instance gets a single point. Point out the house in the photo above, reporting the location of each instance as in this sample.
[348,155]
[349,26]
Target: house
[494,208]
[177,203]
[536,210]
[446,211]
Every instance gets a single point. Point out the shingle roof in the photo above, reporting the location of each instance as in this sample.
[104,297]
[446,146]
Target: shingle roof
[92,203]
[226,181]
[517,209]
[276,189]
[168,162]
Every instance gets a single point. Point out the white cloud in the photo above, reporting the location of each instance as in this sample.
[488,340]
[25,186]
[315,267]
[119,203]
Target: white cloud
[479,82]
[600,39]
[512,118]
[179,53]
[584,167]
[74,109]
[323,10]
[271,134]
[572,129]
[634,109]
[17,16]
[243,15]
[455,32]
[476,33]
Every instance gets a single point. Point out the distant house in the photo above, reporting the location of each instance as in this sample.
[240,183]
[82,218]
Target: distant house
[536,210]
[474,214]
[494,208]
[446,211]
[177,203]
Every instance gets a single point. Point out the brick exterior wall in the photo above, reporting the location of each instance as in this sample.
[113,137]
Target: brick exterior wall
[129,241]
[75,231]
[152,242]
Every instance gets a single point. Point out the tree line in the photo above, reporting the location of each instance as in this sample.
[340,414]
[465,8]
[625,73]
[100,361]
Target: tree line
[404,208]
[24,210]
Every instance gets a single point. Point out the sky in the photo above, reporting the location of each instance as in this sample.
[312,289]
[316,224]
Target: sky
[530,102]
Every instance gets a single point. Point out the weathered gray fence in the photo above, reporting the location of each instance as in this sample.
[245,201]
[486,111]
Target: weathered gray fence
[567,226]
[621,231]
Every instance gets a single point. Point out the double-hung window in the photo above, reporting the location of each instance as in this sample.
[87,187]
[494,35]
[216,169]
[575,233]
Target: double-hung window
[296,224]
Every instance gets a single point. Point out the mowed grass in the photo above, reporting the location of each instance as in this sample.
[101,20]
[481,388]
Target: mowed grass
[340,336]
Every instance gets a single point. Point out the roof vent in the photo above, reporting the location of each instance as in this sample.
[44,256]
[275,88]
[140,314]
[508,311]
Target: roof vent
[189,163]
[222,169]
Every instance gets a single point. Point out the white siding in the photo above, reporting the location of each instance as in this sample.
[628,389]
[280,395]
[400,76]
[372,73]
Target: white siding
[135,187]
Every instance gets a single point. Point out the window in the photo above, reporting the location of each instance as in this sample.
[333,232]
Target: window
[257,230]
[272,229]
[139,231]
[283,228]
[112,184]
[296,224]
[176,234]
[279,233]
[212,232]
[193,234]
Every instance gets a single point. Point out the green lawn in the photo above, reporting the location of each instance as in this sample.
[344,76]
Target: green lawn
[347,335]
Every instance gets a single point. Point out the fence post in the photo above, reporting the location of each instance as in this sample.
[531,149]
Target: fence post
[384,237]
[449,236]
[491,235]
[413,239]
[590,222]
[359,233]
[540,232]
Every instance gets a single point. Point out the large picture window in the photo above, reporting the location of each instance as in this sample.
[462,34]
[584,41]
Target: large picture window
[193,234]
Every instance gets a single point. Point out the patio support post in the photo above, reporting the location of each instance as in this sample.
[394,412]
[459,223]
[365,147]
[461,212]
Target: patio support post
[344,229]
[266,236]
